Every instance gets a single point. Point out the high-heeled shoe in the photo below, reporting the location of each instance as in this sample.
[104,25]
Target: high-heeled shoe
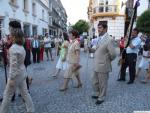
[63,89]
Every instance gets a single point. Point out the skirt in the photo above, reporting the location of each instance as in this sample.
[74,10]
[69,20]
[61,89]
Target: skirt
[62,65]
[144,63]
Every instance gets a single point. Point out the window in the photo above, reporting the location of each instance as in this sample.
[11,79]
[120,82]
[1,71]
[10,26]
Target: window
[50,7]
[106,2]
[43,14]
[50,32]
[50,20]
[101,2]
[44,31]
[26,29]
[129,3]
[25,5]
[34,30]
[33,8]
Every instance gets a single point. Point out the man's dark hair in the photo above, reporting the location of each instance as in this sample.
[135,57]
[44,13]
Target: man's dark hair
[104,25]
[135,29]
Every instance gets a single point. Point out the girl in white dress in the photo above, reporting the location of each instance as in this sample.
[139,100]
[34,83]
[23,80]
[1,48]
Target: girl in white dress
[62,64]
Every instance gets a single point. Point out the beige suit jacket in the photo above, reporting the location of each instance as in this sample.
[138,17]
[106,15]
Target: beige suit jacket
[17,68]
[104,54]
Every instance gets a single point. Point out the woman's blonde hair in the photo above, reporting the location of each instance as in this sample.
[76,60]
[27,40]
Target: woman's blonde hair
[16,32]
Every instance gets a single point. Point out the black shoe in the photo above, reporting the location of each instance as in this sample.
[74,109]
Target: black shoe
[13,98]
[94,97]
[1,99]
[98,102]
[121,79]
[130,82]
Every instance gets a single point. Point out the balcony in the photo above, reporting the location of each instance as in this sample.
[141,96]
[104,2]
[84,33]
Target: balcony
[105,11]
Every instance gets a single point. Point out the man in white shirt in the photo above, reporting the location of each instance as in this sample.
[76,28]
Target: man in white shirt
[47,46]
[131,57]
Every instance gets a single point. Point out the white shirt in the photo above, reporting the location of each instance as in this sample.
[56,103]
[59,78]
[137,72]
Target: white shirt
[98,40]
[47,42]
[136,42]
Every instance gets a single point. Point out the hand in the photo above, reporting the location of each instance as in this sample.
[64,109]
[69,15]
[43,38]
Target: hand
[76,66]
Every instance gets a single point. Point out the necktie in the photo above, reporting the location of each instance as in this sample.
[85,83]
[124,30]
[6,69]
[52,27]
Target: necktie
[35,42]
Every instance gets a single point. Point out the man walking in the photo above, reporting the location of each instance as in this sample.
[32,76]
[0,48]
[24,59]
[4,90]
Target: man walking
[104,53]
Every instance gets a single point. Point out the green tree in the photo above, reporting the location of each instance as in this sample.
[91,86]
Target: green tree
[81,26]
[143,22]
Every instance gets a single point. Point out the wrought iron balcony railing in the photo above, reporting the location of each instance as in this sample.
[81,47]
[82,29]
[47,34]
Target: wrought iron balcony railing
[105,9]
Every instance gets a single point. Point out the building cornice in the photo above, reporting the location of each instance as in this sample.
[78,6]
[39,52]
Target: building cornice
[104,15]
[11,19]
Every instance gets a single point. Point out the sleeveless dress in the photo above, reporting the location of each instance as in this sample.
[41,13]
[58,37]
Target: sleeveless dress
[63,65]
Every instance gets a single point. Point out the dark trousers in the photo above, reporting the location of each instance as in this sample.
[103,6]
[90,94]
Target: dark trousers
[36,54]
[130,61]
[121,50]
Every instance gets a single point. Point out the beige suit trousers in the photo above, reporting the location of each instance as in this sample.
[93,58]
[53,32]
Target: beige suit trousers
[100,84]
[9,92]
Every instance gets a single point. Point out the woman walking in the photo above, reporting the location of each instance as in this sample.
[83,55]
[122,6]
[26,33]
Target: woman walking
[73,62]
[17,72]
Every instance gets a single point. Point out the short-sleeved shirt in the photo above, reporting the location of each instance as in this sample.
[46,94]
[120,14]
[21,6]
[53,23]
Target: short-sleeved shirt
[47,42]
[72,56]
[136,42]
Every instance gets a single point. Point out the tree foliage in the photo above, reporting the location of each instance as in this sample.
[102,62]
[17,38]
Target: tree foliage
[81,26]
[143,22]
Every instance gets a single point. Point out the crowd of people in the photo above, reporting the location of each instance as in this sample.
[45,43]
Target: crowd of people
[67,47]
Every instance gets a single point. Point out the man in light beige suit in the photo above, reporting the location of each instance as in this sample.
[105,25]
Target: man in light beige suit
[104,53]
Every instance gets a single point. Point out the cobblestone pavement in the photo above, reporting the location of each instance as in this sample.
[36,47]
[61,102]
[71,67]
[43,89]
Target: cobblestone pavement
[121,98]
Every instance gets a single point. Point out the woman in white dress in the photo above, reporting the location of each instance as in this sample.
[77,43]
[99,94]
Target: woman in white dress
[144,63]
[62,64]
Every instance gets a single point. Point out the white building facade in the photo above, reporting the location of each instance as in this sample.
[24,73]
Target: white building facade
[112,12]
[33,15]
